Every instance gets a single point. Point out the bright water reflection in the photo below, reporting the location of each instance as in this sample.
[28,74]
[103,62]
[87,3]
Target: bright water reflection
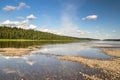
[74,49]
[35,66]
[40,67]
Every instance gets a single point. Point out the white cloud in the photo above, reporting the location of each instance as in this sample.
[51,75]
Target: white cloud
[23,24]
[31,26]
[22,5]
[90,17]
[10,8]
[20,24]
[67,31]
[30,17]
[8,22]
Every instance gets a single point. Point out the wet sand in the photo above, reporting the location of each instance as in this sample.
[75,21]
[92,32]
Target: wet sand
[16,51]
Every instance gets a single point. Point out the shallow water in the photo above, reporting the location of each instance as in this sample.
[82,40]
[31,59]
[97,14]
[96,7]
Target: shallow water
[40,67]
[35,66]
[74,49]
[104,42]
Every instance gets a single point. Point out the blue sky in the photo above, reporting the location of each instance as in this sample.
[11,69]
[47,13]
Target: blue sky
[79,18]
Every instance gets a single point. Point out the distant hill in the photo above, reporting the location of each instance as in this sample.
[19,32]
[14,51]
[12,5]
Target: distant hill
[111,40]
[19,33]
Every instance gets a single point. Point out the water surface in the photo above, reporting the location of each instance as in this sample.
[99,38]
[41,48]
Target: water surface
[74,49]
[40,67]
[35,66]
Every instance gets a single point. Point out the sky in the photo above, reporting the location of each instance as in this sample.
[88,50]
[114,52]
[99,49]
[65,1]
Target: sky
[78,18]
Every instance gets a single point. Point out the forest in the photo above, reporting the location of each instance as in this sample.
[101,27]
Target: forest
[19,33]
[111,40]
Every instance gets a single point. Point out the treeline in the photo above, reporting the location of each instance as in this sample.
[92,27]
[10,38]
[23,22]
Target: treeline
[111,39]
[19,33]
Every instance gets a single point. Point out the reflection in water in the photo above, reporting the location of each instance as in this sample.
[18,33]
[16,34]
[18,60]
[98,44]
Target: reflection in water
[28,61]
[74,49]
[8,57]
[8,70]
[22,44]
[35,66]
[43,68]
[25,58]
[106,42]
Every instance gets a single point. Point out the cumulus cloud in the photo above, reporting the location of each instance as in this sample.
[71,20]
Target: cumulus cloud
[90,17]
[30,17]
[8,22]
[23,24]
[10,8]
[31,26]
[20,24]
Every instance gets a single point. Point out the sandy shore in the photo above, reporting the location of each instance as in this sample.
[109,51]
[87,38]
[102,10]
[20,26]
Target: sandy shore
[16,51]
